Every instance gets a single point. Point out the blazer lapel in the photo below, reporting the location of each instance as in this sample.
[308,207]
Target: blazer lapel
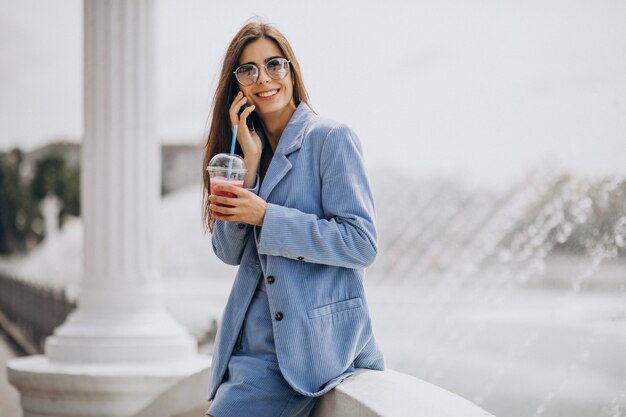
[290,141]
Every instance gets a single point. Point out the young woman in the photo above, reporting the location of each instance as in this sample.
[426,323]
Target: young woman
[302,231]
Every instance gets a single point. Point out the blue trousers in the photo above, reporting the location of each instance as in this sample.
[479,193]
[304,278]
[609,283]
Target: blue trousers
[254,385]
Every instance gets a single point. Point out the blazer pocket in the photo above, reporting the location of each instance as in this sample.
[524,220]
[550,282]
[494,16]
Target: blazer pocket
[333,308]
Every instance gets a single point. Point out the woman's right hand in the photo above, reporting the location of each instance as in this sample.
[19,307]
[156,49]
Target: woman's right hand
[249,140]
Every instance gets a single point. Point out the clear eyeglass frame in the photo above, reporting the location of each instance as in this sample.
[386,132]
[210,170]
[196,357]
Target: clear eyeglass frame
[280,73]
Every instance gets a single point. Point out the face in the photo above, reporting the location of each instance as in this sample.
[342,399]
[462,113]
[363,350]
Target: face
[267,94]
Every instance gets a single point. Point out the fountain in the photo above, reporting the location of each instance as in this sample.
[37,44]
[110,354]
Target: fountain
[515,299]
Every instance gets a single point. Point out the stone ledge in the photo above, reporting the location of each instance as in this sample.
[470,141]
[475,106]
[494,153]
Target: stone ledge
[391,394]
[104,390]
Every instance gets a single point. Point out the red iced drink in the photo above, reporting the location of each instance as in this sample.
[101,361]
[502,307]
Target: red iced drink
[225,169]
[223,181]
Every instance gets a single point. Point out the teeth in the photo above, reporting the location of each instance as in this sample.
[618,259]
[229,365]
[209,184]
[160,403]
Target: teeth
[268,93]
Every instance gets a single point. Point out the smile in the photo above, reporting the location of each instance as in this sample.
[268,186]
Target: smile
[269,93]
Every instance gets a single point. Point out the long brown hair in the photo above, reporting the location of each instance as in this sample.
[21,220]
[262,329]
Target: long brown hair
[220,132]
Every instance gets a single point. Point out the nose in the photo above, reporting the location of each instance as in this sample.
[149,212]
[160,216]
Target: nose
[263,76]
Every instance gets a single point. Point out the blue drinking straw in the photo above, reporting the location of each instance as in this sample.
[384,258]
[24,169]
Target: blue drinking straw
[232,151]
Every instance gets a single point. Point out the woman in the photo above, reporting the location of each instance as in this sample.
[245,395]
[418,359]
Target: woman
[296,322]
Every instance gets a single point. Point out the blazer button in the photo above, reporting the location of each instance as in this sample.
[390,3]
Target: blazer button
[300,258]
[279,316]
[270,279]
[241,225]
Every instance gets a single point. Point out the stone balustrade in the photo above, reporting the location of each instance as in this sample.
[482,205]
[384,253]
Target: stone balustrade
[365,394]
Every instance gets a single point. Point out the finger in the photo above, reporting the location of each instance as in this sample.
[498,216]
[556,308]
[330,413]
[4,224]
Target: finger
[247,111]
[218,199]
[244,116]
[226,188]
[221,209]
[224,200]
[219,216]
[241,102]
[233,111]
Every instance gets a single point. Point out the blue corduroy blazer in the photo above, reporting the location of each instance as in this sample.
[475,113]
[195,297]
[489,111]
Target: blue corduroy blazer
[317,237]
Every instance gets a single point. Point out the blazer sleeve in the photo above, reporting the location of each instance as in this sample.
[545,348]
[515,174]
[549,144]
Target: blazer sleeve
[346,237]
[229,238]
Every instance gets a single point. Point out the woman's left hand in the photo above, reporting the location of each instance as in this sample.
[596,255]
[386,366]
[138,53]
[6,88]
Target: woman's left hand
[246,207]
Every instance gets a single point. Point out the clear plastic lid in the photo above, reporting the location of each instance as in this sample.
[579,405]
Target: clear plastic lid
[221,161]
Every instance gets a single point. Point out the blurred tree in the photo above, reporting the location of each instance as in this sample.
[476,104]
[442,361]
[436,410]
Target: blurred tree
[54,176]
[18,214]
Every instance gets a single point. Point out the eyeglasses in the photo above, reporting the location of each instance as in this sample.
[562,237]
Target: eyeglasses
[276,69]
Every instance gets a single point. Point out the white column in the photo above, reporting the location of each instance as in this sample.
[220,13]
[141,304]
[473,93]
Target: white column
[119,315]
[120,350]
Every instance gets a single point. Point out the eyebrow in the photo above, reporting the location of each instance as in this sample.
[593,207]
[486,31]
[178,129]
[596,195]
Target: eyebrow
[267,59]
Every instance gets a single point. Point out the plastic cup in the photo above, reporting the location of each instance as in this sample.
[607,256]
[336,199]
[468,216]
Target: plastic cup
[226,169]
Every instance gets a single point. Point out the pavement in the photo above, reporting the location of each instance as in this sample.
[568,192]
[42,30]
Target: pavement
[9,397]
